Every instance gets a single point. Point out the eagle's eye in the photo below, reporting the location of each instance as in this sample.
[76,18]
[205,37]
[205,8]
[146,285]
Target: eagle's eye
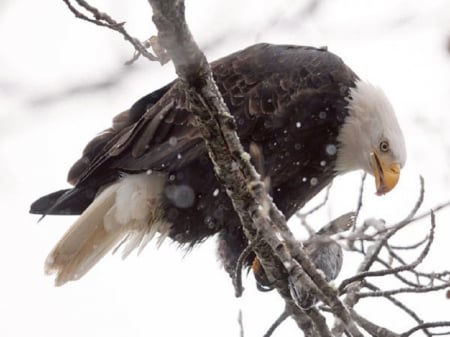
[384,146]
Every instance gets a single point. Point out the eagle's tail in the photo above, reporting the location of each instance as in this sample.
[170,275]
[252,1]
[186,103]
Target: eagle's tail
[127,212]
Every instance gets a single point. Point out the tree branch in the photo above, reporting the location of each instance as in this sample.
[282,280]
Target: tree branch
[244,187]
[285,314]
[406,267]
[104,20]
[373,329]
[428,325]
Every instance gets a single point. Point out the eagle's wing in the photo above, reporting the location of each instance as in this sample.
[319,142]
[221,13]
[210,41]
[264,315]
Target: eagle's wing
[156,133]
[264,86]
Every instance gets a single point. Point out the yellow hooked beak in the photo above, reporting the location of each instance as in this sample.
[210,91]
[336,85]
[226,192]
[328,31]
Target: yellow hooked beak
[386,176]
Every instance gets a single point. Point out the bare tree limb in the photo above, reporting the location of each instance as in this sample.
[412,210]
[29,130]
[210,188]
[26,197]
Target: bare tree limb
[303,215]
[373,329]
[402,306]
[412,246]
[422,326]
[384,293]
[247,192]
[241,324]
[371,258]
[285,314]
[433,210]
[361,194]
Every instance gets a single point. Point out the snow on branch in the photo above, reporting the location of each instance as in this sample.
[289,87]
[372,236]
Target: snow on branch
[277,249]
[247,192]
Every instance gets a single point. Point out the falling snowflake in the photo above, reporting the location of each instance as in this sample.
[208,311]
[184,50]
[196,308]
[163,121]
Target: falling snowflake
[331,149]
[173,141]
[181,196]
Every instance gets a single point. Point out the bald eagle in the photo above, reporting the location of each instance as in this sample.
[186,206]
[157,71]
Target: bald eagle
[149,173]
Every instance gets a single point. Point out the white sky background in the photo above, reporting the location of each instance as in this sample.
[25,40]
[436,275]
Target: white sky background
[46,53]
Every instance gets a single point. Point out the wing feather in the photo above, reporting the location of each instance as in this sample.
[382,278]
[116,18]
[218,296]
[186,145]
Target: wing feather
[268,89]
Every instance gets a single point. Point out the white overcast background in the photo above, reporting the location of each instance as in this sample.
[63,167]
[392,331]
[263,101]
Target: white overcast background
[47,115]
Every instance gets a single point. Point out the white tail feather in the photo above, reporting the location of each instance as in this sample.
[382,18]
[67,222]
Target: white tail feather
[128,212]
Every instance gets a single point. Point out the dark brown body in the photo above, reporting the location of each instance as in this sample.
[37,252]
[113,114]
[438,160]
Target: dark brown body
[289,100]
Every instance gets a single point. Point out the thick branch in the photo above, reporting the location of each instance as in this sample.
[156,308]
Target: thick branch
[246,190]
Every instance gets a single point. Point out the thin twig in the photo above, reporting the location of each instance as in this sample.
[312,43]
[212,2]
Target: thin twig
[241,324]
[371,258]
[285,314]
[388,266]
[419,201]
[319,206]
[411,246]
[390,271]
[104,20]
[237,280]
[384,293]
[433,210]
[422,326]
[360,197]
[372,328]
[401,306]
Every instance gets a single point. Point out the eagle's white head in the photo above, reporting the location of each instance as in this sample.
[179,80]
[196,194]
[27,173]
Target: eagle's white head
[371,138]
